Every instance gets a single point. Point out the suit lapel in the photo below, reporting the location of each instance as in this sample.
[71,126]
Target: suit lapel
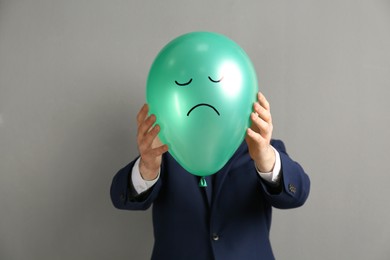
[215,181]
[209,189]
[220,178]
[221,175]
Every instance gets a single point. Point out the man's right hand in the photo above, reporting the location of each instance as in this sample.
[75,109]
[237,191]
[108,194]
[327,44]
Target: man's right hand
[149,145]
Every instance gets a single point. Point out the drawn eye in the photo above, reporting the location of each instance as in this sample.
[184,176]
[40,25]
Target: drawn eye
[183,84]
[215,81]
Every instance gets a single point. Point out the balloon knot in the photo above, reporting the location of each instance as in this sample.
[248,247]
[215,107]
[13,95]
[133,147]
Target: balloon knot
[202,182]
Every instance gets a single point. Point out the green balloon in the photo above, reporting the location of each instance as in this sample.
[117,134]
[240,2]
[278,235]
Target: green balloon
[201,87]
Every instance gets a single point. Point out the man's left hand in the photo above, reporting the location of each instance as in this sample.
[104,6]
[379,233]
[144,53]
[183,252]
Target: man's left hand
[259,135]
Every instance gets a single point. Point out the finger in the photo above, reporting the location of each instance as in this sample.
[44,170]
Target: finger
[263,101]
[145,126]
[254,136]
[147,141]
[262,112]
[264,128]
[158,151]
[151,155]
[261,124]
[142,114]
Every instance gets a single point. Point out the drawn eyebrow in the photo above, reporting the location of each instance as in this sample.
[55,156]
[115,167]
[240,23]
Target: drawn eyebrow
[215,81]
[183,84]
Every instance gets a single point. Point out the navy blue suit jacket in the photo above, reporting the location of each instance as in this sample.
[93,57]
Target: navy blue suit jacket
[230,219]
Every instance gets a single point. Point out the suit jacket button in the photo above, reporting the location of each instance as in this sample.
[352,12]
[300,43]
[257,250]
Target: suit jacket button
[215,237]
[292,188]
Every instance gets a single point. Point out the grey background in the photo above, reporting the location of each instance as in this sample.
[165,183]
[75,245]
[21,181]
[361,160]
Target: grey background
[72,77]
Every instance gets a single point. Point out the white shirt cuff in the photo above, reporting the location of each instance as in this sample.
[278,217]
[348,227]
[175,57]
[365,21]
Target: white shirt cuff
[140,185]
[272,177]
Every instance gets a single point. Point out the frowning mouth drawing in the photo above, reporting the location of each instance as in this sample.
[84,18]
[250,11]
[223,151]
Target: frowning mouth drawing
[202,104]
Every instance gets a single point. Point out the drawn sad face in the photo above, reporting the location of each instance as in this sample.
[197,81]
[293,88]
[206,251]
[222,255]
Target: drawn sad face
[201,88]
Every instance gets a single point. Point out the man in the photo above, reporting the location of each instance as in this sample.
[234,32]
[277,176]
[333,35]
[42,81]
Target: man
[231,217]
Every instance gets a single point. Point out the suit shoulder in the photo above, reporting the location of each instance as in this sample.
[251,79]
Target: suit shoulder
[278,145]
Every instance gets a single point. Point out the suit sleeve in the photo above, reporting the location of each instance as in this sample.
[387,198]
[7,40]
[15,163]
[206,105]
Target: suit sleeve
[294,182]
[123,194]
